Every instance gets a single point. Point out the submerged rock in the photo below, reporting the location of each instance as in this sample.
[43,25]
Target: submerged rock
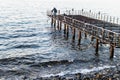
[78,76]
[98,76]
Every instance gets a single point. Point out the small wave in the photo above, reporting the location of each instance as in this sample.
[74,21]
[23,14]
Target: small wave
[16,61]
[18,35]
[4,37]
[17,72]
[83,71]
[26,46]
[10,24]
[45,64]
[7,61]
[22,35]
[23,22]
[21,31]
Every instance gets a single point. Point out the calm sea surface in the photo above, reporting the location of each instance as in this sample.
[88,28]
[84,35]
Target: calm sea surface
[30,47]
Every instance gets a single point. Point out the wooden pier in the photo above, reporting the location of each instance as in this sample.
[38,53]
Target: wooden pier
[101,28]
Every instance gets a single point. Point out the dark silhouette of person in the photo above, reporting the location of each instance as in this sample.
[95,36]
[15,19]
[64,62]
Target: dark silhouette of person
[54,11]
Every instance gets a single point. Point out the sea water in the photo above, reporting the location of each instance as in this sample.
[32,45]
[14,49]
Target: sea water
[30,47]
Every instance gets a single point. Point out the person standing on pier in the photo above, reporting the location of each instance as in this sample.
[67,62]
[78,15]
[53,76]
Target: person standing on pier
[54,12]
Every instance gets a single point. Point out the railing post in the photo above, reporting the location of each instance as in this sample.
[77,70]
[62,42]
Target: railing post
[113,20]
[104,18]
[110,19]
[117,20]
[82,12]
[69,12]
[107,19]
[58,12]
[99,15]
[96,16]
[104,21]
[72,11]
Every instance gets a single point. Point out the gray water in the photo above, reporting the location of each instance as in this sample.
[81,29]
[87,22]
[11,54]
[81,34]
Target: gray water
[30,47]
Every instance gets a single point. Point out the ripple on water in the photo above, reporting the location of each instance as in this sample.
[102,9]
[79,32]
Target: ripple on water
[26,46]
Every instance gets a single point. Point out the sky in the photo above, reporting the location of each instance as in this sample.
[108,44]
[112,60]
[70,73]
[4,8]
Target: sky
[111,7]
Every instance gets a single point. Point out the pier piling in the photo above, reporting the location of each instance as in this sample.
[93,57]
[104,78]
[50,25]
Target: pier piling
[97,47]
[79,37]
[60,25]
[73,37]
[58,22]
[64,28]
[111,51]
[55,23]
[51,21]
[67,29]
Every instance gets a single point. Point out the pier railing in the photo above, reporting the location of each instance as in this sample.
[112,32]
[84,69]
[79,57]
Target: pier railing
[102,34]
[98,16]
[90,14]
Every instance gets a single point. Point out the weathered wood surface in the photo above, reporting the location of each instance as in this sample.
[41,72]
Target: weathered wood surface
[104,35]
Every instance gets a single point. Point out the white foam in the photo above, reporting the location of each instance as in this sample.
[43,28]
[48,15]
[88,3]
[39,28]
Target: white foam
[83,71]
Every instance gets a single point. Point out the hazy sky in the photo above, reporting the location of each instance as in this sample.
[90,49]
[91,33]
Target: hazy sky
[111,7]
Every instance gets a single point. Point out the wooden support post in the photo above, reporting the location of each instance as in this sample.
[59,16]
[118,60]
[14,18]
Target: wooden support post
[97,46]
[64,28]
[111,51]
[51,21]
[60,25]
[73,37]
[67,29]
[118,42]
[79,37]
[54,22]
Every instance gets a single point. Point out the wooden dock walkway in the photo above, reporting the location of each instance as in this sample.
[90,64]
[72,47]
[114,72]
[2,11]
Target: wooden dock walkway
[103,28]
